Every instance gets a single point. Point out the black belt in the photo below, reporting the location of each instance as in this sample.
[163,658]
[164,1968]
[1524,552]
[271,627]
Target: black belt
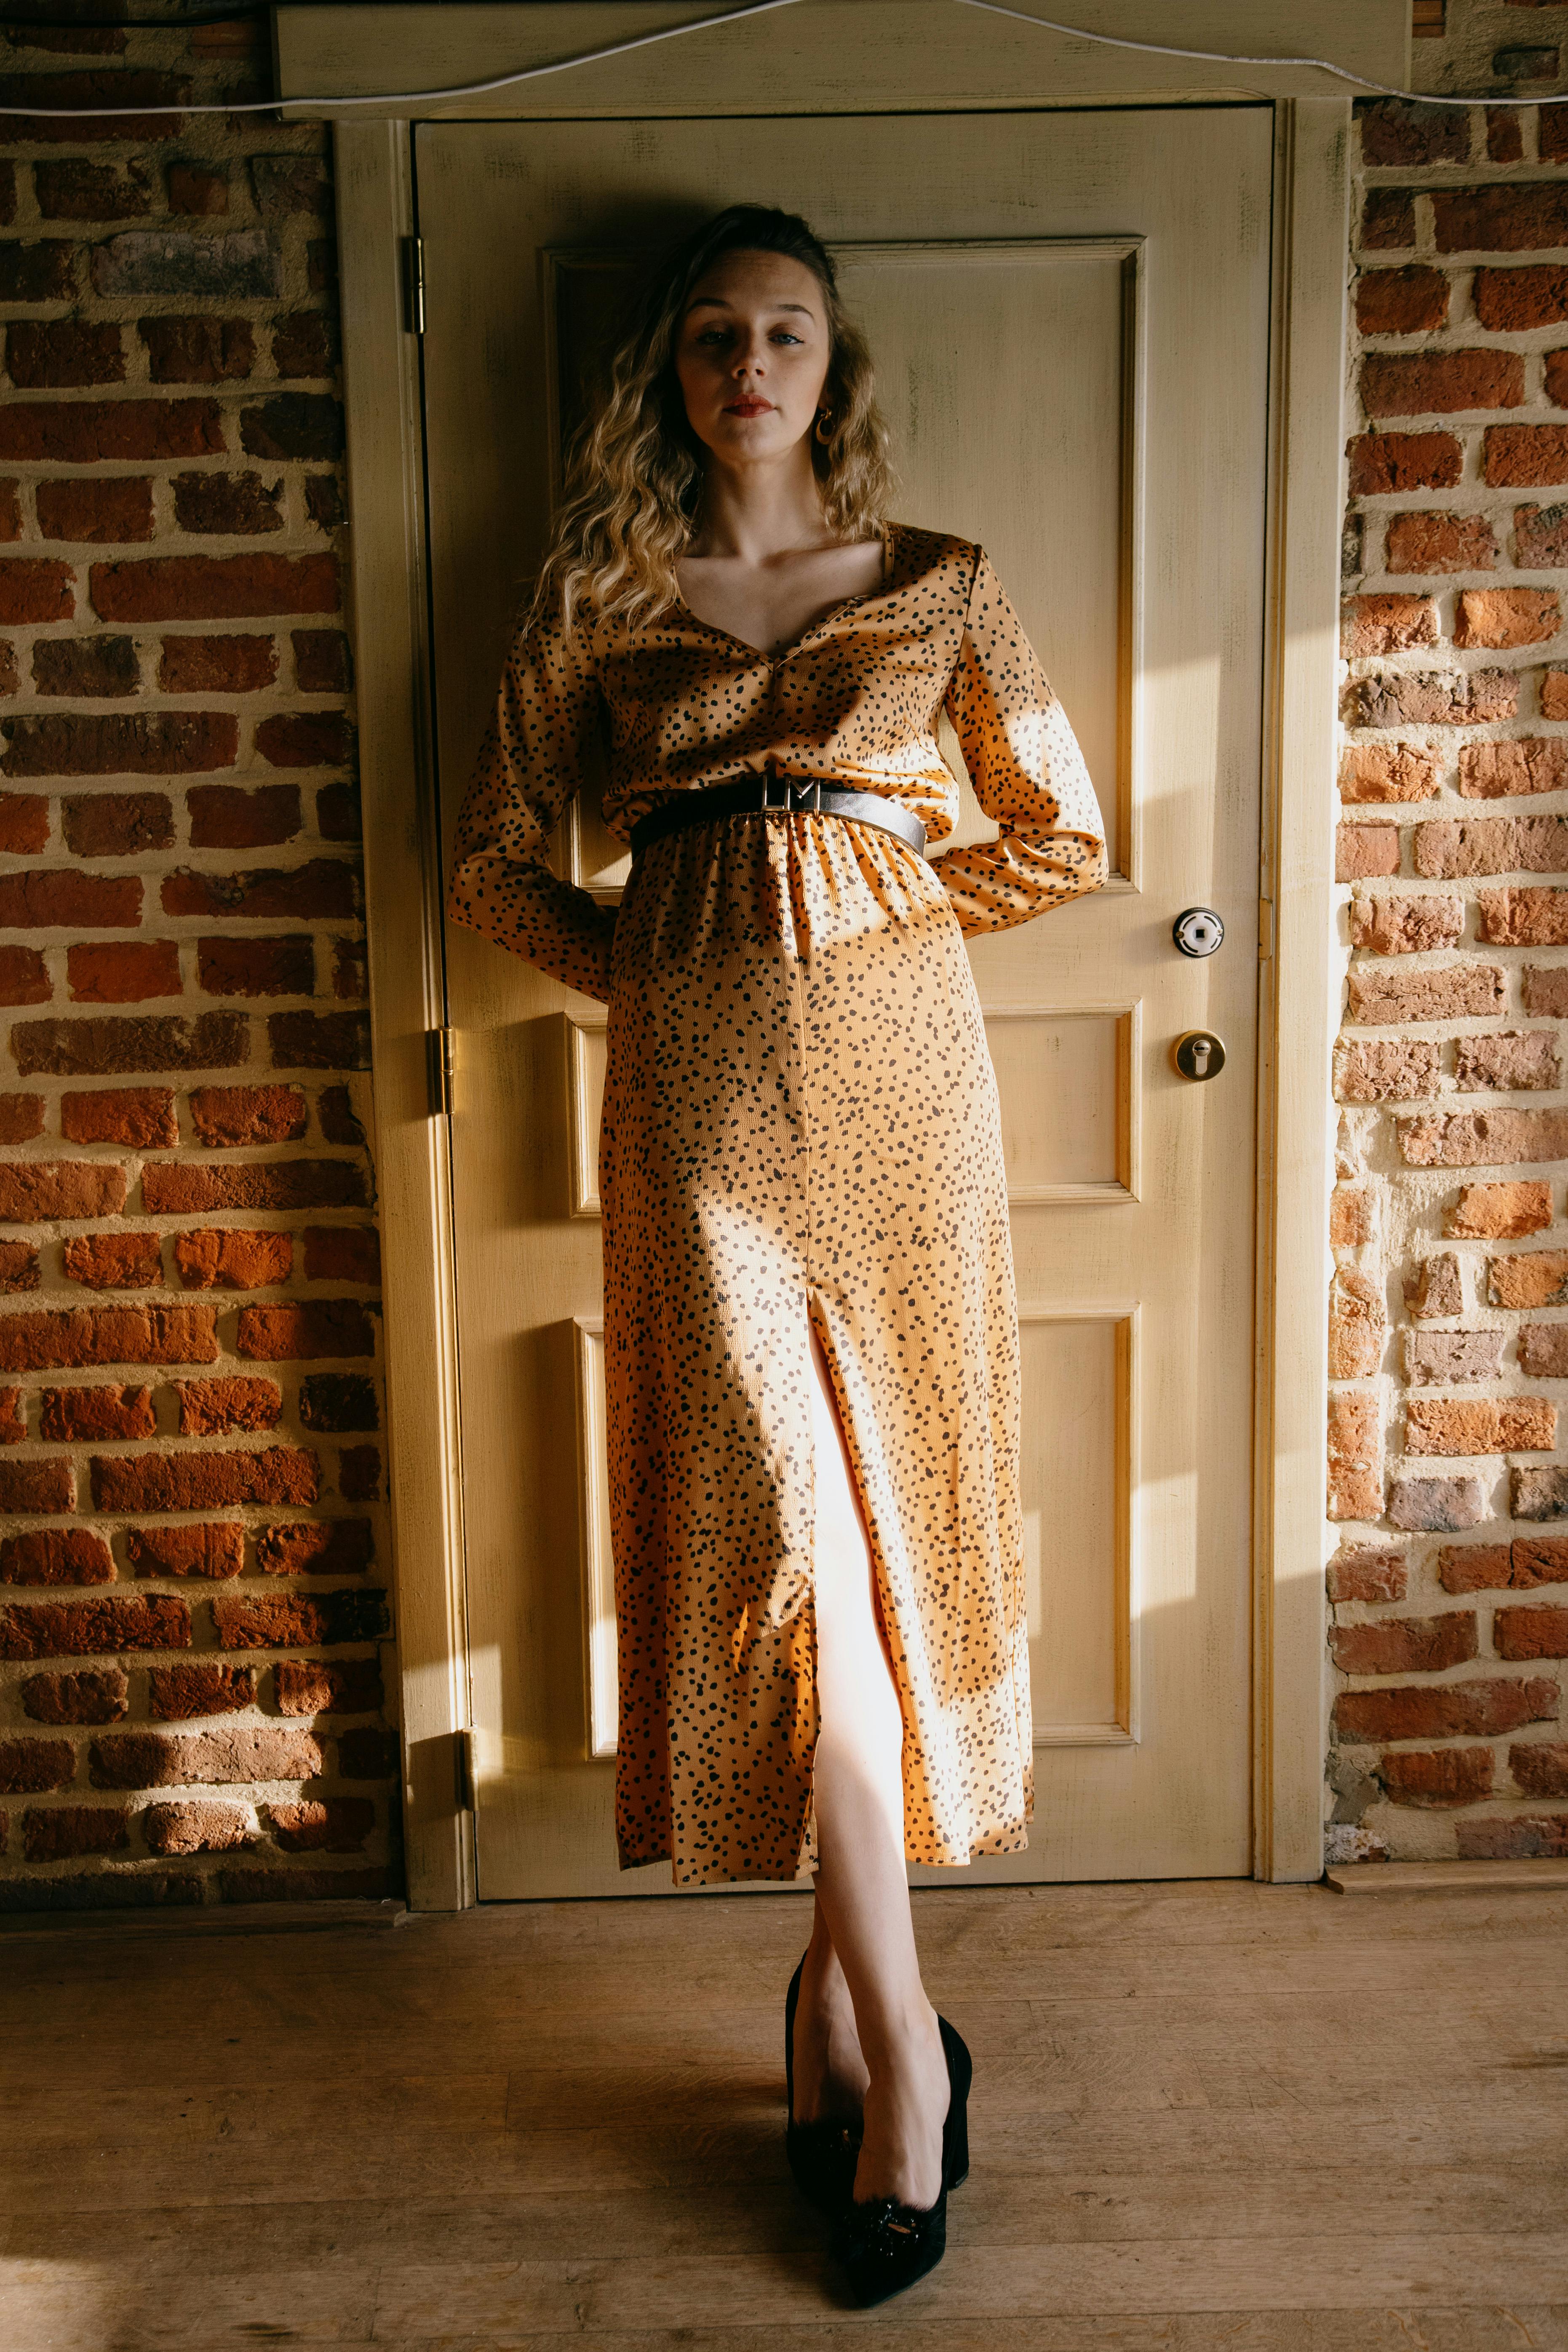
[779,795]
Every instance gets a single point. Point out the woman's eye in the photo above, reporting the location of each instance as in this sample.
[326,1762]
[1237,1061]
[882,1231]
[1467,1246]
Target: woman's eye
[783,335]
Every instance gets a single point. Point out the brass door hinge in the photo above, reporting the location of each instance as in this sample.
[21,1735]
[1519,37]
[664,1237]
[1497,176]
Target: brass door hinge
[465,1770]
[441,1065]
[413,285]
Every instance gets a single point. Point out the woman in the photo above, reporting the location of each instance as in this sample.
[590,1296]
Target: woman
[810,1328]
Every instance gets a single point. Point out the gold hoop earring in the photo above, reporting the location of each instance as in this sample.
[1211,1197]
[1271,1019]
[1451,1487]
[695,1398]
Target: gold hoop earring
[825,426]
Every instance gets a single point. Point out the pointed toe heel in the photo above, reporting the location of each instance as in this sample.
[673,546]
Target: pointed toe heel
[822,2155]
[882,2246]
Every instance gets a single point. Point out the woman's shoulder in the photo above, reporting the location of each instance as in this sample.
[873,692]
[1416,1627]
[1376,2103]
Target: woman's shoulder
[939,559]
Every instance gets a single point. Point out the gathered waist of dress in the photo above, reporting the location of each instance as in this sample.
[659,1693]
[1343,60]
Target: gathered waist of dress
[771,791]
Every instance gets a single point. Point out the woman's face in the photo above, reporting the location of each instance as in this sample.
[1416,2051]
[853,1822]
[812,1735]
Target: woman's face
[751,355]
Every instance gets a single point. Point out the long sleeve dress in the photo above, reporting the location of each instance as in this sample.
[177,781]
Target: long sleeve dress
[800,1119]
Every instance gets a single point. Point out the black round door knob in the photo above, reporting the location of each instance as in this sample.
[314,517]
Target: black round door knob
[1199,1054]
[1198,931]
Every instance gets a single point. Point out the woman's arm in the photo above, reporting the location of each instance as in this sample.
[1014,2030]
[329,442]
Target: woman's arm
[1027,773]
[529,764]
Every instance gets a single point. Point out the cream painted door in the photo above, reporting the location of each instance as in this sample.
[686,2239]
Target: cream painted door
[1070,313]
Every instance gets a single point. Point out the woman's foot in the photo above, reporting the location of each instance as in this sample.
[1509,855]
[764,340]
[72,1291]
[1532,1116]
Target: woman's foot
[830,2074]
[906,2107]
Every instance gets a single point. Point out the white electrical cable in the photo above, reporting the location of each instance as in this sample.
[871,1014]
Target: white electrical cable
[731,16]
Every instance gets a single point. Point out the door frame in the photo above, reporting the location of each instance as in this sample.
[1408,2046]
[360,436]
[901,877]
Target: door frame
[326,47]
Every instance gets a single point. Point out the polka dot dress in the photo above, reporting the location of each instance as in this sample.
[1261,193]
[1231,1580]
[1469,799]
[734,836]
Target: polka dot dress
[800,1120]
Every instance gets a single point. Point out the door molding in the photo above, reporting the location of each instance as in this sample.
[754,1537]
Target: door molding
[390,624]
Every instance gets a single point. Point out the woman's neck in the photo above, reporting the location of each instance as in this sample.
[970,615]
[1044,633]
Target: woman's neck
[756,512]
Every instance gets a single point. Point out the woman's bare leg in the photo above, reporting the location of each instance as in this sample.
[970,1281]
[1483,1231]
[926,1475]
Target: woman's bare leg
[862,1955]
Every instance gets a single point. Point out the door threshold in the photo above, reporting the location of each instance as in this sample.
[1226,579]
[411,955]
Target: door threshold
[1446,1877]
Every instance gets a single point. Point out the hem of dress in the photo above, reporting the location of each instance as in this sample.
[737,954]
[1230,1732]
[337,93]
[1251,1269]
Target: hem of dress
[1015,1839]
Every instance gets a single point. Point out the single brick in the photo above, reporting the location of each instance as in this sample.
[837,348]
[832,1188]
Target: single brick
[324,501]
[343,1253]
[1479,1426]
[1491,845]
[93,1414]
[213,587]
[218,1408]
[1543,1350]
[234,665]
[122,971]
[23,830]
[198,349]
[43,271]
[325,886]
[1395,925]
[1528,1278]
[110,1045]
[89,1698]
[289,184]
[305,739]
[34,588]
[318,1327]
[51,1832]
[1409,301]
[1396,131]
[1383,992]
[304,344]
[52,901]
[1434,1286]
[114,510]
[1523,457]
[1554,694]
[19,1268]
[1436,1359]
[313,1686]
[337,1826]
[34,1191]
[175,1694]
[1500,218]
[85,1629]
[269,967]
[1399,1645]
[1503,617]
[29,1765]
[13,1417]
[92,191]
[196,1828]
[1490,771]
[143,1117]
[95,431]
[338,1402]
[351,976]
[1437,1776]
[117,825]
[1362,850]
[1431,698]
[1526,1632]
[367,1753]
[1471,1710]
[227,1116]
[56,1556]
[1430,539]
[1540,1766]
[322,660]
[293,1184]
[1511,302]
[1385,1069]
[227,503]
[164,1760]
[1361,1571]
[204,1482]
[44,1485]
[1516,1839]
[1423,383]
[157,261]
[1522,917]
[115,1261]
[1385,462]
[358,1473]
[1539,1494]
[1355,1456]
[24,979]
[1481,1138]
[115,743]
[340,1121]
[219,1257]
[294,424]
[1557,379]
[1388,219]
[1539,537]
[21,1118]
[1507,1059]
[1433,1507]
[101,668]
[214,1549]
[1472,1568]
[74,1338]
[318,1041]
[226,816]
[1546,990]
[308,1548]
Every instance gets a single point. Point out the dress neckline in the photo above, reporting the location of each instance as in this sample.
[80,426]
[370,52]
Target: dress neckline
[845,604]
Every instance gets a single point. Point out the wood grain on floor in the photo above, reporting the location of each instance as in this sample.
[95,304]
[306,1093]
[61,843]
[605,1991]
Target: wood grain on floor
[1216,2118]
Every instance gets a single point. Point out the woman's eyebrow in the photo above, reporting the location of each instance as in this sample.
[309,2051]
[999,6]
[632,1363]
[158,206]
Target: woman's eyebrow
[718,302]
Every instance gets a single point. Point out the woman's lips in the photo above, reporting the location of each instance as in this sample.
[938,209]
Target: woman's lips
[747,407]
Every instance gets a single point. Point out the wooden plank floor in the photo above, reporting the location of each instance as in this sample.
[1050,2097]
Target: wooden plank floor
[1206,2116]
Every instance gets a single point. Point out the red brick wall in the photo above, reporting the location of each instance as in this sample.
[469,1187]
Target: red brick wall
[1448,1459]
[193,1612]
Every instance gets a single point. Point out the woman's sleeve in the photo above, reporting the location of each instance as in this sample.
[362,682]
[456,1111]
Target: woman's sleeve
[543,730]
[1027,773]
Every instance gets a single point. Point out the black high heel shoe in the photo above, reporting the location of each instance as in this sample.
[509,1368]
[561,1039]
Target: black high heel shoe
[883,2246]
[822,2155]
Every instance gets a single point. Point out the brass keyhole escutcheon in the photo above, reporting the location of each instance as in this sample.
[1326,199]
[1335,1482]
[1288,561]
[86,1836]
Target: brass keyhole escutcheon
[1199,1054]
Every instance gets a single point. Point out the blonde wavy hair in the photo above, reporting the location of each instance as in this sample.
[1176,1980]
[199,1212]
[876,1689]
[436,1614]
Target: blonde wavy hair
[634,468]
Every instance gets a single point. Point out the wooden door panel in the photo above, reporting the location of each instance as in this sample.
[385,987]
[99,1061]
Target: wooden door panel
[1070,315]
